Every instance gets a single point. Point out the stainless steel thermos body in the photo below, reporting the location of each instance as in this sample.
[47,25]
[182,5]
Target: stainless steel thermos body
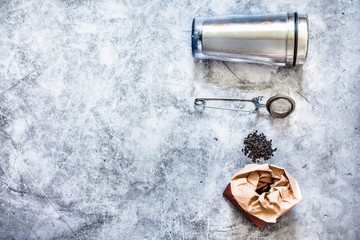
[276,39]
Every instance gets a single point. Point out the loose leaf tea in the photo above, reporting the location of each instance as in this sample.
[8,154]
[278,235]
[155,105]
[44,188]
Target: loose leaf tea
[257,146]
[263,189]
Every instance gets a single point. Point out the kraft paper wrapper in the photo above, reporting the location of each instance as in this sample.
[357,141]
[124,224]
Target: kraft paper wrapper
[258,222]
[283,195]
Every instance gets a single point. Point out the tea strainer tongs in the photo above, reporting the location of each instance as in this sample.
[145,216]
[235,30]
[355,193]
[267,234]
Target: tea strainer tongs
[279,106]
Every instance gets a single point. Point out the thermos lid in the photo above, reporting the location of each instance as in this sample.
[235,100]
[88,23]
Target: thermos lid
[298,39]
[303,39]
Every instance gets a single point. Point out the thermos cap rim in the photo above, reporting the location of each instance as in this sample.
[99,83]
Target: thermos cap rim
[302,40]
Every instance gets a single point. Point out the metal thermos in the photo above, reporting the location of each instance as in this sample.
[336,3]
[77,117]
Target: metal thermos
[276,39]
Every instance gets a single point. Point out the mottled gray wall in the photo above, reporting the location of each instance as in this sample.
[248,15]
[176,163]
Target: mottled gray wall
[99,138]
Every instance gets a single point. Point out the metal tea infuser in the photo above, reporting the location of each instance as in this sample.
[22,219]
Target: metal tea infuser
[279,106]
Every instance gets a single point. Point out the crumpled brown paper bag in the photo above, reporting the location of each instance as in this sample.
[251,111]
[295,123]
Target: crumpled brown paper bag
[284,191]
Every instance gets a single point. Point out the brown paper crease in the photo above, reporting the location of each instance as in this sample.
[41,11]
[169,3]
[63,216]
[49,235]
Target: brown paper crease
[284,191]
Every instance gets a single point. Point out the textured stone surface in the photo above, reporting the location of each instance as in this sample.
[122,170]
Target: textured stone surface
[99,138]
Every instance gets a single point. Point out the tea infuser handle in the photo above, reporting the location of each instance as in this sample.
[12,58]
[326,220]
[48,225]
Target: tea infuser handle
[201,102]
[257,102]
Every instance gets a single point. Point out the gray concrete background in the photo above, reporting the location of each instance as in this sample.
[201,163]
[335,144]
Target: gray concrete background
[99,138]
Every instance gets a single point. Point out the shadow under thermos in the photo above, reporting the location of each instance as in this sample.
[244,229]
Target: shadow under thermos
[276,39]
